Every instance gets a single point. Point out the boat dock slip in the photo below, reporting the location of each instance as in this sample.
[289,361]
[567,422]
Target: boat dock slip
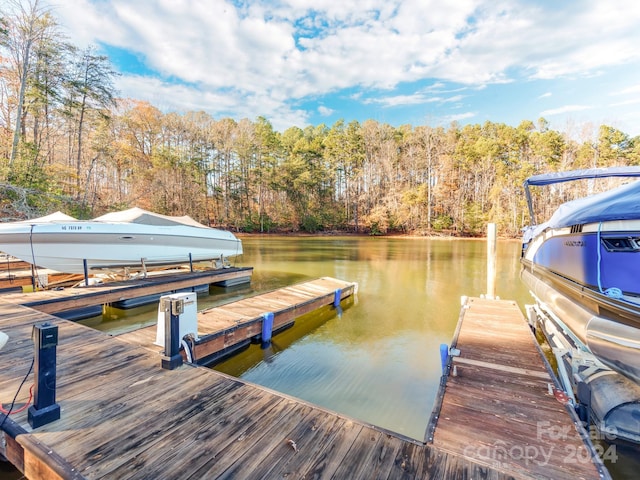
[227,328]
[499,406]
[123,416]
[17,277]
[56,301]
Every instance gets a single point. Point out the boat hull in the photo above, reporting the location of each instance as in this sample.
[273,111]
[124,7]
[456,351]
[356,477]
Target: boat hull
[66,246]
[597,257]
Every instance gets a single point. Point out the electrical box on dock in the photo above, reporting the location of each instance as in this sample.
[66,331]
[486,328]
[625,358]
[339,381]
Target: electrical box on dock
[183,305]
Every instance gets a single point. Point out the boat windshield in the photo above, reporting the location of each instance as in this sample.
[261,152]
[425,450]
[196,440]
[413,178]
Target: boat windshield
[141,216]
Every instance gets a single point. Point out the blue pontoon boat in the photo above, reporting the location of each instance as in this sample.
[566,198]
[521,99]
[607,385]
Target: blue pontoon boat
[582,266]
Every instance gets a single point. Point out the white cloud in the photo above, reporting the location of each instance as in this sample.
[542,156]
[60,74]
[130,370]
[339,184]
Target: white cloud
[457,117]
[417,98]
[632,101]
[396,100]
[454,99]
[633,90]
[325,111]
[259,57]
[183,98]
[545,95]
[564,109]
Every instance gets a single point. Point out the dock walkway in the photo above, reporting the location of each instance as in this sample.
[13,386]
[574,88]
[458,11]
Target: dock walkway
[232,326]
[56,301]
[497,404]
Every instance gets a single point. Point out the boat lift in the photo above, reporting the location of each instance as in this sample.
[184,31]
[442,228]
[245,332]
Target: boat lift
[606,401]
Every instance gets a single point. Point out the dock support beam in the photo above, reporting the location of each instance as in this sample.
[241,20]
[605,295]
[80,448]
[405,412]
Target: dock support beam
[33,278]
[44,409]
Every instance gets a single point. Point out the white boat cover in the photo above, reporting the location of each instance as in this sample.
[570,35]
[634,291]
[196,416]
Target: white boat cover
[144,217]
[52,217]
[622,203]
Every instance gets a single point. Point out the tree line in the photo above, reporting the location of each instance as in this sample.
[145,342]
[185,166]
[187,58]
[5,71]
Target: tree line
[67,142]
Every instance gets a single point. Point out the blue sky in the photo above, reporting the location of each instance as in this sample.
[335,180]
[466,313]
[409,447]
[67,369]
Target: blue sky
[420,62]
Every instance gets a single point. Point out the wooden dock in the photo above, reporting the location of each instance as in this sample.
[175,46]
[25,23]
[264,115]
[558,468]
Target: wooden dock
[227,328]
[71,298]
[123,416]
[498,404]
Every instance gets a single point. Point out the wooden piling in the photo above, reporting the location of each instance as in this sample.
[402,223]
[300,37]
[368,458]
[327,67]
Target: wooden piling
[491,260]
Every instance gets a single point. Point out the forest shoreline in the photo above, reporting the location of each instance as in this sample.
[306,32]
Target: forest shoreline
[335,233]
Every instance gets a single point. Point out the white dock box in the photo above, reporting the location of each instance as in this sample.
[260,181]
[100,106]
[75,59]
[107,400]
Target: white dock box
[188,323]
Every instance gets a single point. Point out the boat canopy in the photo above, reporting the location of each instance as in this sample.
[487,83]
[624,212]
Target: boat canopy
[144,217]
[585,174]
[559,177]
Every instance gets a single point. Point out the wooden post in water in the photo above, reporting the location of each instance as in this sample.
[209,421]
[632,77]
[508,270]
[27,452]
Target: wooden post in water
[491,261]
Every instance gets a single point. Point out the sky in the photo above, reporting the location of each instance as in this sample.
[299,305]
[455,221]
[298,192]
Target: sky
[575,63]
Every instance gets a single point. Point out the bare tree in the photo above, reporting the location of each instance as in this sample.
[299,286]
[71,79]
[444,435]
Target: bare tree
[90,90]
[25,27]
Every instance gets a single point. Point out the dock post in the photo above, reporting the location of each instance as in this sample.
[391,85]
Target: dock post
[444,357]
[267,329]
[85,267]
[337,298]
[44,409]
[172,310]
[491,261]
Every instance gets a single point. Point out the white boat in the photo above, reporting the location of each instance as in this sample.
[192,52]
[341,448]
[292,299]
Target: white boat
[133,238]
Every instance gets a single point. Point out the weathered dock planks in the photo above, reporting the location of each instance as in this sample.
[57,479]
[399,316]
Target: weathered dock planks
[233,325]
[56,301]
[496,406]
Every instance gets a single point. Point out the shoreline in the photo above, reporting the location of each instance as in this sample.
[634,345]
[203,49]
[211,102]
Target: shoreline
[335,233]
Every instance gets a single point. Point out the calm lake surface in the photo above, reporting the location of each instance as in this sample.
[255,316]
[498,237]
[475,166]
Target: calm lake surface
[379,360]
